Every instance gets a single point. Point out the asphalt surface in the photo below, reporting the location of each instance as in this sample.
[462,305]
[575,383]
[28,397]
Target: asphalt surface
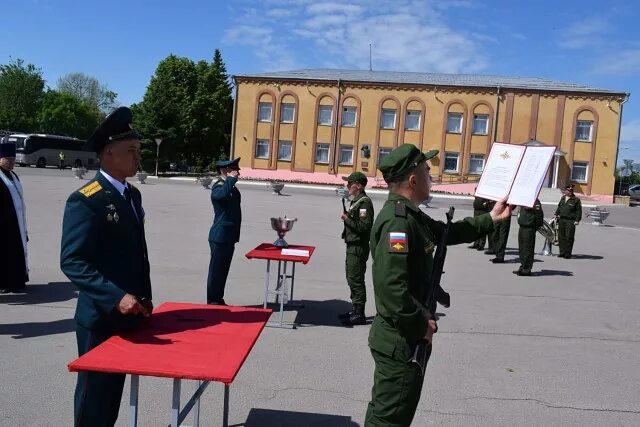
[560,348]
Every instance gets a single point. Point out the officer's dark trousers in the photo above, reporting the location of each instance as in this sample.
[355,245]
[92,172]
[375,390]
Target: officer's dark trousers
[355,268]
[526,247]
[566,233]
[397,385]
[97,397]
[500,236]
[219,264]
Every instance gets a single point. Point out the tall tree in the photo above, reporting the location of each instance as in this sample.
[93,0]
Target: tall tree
[89,90]
[21,91]
[64,114]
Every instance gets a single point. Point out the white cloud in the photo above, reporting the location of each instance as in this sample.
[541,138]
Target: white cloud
[621,63]
[588,32]
[406,35]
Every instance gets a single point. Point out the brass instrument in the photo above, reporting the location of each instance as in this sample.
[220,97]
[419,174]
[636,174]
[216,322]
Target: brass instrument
[549,230]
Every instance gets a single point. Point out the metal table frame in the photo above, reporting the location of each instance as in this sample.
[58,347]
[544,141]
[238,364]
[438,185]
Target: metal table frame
[283,295]
[177,415]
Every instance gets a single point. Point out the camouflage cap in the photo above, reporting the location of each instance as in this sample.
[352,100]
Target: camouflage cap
[356,177]
[402,160]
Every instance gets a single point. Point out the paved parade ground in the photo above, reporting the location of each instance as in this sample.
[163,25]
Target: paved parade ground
[559,348]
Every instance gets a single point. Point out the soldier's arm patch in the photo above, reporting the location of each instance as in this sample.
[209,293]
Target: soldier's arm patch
[398,242]
[363,213]
[90,189]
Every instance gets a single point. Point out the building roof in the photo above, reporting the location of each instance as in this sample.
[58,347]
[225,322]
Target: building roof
[430,79]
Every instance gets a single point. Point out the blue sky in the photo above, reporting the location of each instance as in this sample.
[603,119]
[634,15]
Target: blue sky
[595,43]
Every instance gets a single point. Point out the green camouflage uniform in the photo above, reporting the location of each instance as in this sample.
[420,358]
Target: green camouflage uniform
[569,212]
[357,227]
[529,220]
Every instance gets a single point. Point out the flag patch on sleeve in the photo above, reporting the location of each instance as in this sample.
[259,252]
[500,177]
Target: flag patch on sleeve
[398,242]
[363,213]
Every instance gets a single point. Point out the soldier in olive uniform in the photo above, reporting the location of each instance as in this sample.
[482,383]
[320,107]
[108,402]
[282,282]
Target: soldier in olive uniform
[225,230]
[500,235]
[358,219]
[480,207]
[403,240]
[529,220]
[104,253]
[568,214]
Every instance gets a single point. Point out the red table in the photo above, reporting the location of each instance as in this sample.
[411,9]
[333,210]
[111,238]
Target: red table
[188,341]
[269,252]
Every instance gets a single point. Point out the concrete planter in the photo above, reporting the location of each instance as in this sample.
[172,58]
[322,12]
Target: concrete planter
[276,187]
[598,215]
[141,176]
[622,200]
[205,181]
[78,172]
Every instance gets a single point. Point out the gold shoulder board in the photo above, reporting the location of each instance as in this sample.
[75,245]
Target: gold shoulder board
[91,189]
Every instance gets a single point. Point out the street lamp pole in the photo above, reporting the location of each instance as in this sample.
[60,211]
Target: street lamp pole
[158,142]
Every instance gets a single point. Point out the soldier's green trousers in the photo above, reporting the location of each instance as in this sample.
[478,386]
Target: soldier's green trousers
[355,268]
[500,236]
[566,234]
[526,247]
[397,385]
[482,240]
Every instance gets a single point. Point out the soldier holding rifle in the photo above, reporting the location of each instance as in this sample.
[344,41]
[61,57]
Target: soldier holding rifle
[403,241]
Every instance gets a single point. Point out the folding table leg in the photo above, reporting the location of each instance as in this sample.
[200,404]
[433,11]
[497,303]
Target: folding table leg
[225,409]
[266,284]
[283,290]
[175,403]
[279,282]
[133,401]
[196,410]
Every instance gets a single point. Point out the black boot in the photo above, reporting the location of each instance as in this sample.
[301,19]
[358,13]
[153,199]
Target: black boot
[345,315]
[357,317]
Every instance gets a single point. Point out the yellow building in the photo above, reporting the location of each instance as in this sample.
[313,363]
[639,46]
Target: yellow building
[323,124]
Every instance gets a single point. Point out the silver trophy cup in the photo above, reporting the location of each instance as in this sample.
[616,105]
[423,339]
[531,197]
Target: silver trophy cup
[281,226]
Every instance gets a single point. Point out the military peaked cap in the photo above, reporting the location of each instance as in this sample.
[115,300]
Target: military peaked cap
[115,127]
[8,149]
[402,160]
[233,164]
[356,177]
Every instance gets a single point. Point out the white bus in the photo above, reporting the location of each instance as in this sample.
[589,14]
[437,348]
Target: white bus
[42,150]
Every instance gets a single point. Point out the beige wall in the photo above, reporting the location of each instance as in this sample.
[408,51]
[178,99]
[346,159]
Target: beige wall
[547,117]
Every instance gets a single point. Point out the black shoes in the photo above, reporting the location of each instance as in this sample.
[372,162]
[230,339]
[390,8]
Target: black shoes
[497,260]
[221,302]
[519,272]
[346,315]
[489,252]
[480,248]
[356,316]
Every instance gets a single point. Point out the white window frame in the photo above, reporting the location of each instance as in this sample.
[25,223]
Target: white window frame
[586,171]
[286,105]
[590,137]
[343,149]
[262,105]
[280,144]
[355,116]
[461,122]
[324,108]
[485,131]
[476,157]
[262,142]
[386,111]
[324,146]
[385,151]
[449,155]
[413,113]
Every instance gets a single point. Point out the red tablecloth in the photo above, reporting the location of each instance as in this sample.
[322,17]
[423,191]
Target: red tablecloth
[268,251]
[182,340]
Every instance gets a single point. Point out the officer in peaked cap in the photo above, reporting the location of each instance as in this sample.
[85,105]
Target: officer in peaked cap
[225,230]
[358,220]
[403,241]
[104,253]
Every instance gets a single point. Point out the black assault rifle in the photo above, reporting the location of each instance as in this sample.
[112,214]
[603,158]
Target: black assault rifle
[423,349]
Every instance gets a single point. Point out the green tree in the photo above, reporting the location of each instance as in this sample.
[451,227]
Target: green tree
[189,105]
[64,114]
[89,90]
[21,91]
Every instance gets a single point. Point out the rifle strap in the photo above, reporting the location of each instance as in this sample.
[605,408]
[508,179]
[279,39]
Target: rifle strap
[425,312]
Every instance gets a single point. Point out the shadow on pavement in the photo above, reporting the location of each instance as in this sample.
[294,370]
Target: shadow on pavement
[273,418]
[323,313]
[37,329]
[582,256]
[552,273]
[42,294]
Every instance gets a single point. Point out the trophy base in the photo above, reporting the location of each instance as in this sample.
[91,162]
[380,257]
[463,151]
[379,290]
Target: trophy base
[280,243]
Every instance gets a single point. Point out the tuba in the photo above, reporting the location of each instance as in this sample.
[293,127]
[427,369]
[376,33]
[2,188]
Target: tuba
[549,230]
